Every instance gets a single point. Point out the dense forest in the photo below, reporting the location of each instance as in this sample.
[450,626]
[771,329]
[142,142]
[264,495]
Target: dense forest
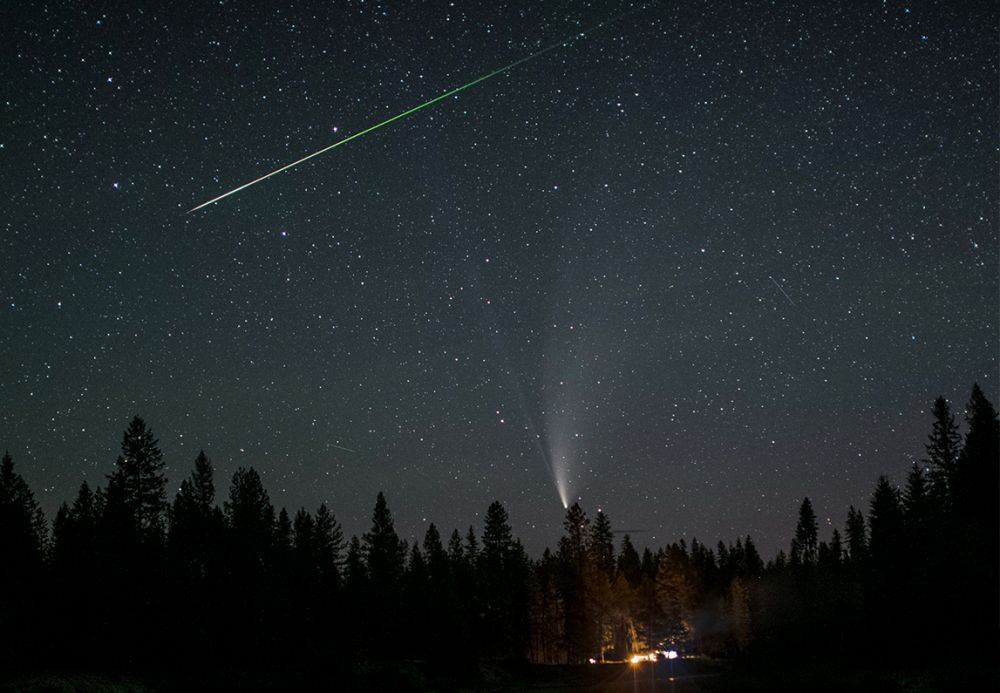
[126,579]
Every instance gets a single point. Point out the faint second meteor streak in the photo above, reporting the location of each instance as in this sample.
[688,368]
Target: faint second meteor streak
[782,290]
[413,110]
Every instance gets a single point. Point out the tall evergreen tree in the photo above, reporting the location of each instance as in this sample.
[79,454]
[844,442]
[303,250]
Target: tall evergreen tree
[355,572]
[328,541]
[836,547]
[599,578]
[918,505]
[601,544]
[676,592]
[304,547]
[384,555]
[502,584]
[629,565]
[439,596]
[977,500]
[195,524]
[885,521]
[437,559]
[806,543]
[471,547]
[581,640]
[456,552]
[23,531]
[22,545]
[140,482]
[383,549]
[857,535]
[250,518]
[978,471]
[754,564]
[942,450]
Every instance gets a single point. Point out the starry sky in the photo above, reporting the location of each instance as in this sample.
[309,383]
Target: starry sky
[705,260]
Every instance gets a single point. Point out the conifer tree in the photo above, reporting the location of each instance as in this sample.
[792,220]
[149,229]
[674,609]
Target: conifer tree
[601,544]
[23,531]
[599,578]
[857,536]
[676,592]
[383,550]
[918,505]
[140,483]
[328,543]
[251,520]
[629,565]
[502,573]
[805,545]
[471,547]
[355,572]
[942,450]
[581,640]
[978,471]
[22,546]
[195,526]
[836,547]
[885,521]
[303,547]
[437,559]
[754,564]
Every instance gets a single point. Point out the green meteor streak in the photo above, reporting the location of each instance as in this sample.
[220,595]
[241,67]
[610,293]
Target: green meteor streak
[411,111]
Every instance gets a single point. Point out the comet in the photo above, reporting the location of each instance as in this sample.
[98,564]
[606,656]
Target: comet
[399,116]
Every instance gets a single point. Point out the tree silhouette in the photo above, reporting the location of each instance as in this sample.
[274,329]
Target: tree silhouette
[502,573]
[599,579]
[857,535]
[805,544]
[23,531]
[139,481]
[250,518]
[942,450]
[581,641]
[383,551]
[328,543]
[676,593]
[250,529]
[243,587]
[195,522]
[885,521]
[23,534]
[977,505]
[384,556]
[977,477]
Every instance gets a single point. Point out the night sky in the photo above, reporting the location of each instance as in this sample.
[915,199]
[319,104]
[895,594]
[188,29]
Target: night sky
[703,261]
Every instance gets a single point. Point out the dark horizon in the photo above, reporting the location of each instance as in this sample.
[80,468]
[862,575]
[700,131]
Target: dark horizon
[768,545]
[640,537]
[213,587]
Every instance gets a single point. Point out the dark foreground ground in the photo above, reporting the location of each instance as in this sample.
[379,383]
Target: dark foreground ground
[681,676]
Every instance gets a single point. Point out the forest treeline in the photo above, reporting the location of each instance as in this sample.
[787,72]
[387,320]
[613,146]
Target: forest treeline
[126,578]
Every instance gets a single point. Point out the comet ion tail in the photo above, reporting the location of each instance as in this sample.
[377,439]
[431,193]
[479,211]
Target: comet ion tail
[400,116]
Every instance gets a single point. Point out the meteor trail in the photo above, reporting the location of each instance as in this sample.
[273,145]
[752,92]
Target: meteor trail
[399,116]
[782,290]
